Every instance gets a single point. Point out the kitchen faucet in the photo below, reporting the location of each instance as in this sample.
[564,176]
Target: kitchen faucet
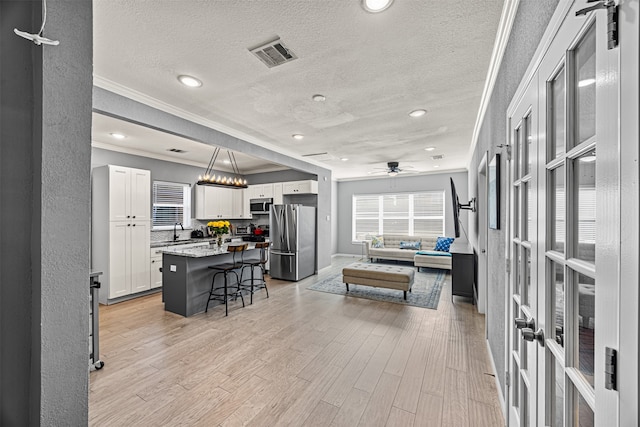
[175,235]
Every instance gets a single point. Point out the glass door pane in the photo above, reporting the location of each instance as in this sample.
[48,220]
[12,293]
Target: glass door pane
[585,87]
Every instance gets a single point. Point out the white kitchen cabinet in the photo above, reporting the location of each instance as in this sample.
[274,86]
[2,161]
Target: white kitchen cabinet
[128,265]
[277,193]
[129,192]
[300,187]
[220,203]
[155,257]
[260,191]
[121,231]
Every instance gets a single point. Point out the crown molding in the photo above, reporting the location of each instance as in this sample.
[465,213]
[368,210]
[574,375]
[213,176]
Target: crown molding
[507,17]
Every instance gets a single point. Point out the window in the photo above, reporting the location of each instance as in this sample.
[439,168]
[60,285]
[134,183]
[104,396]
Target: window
[414,214]
[171,204]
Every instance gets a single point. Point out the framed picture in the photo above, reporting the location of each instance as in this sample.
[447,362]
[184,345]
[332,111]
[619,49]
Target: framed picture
[494,193]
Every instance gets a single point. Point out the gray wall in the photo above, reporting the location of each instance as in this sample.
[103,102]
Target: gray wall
[114,105]
[398,184]
[530,23]
[45,130]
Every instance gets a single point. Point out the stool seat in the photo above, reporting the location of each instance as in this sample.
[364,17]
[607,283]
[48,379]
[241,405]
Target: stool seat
[222,293]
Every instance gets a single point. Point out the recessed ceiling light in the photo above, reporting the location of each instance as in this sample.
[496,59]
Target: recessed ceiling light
[117,135]
[375,6]
[226,162]
[189,81]
[344,159]
[429,148]
[318,98]
[418,113]
[436,166]
[297,136]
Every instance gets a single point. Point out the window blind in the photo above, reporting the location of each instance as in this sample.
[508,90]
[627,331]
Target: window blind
[171,204]
[414,214]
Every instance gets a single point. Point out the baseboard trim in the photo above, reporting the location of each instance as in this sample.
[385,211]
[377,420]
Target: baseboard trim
[503,403]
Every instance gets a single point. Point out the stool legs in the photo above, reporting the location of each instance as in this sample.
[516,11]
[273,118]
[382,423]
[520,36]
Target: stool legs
[253,279]
[225,296]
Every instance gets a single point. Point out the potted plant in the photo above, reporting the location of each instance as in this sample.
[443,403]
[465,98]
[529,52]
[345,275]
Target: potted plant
[218,228]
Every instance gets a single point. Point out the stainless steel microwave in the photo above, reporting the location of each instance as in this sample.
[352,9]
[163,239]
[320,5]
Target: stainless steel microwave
[260,206]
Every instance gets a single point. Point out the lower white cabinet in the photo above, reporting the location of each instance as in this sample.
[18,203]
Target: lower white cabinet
[127,260]
[156,264]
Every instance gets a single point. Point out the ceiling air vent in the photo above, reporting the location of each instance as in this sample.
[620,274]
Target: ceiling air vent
[176,150]
[273,53]
[321,157]
[438,157]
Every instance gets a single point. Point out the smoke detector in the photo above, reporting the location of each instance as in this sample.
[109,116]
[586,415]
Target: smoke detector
[273,53]
[438,157]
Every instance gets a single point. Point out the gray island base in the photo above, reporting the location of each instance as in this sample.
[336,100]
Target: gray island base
[186,277]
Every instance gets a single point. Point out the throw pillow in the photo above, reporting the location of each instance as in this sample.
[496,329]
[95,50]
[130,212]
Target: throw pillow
[410,245]
[443,244]
[377,242]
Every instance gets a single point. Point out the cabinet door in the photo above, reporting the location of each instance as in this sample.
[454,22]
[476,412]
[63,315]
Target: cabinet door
[292,187]
[140,194]
[119,259]
[139,244]
[119,193]
[253,192]
[156,274]
[267,191]
[277,193]
[237,204]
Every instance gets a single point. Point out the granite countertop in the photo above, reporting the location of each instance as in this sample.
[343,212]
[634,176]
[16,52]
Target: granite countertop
[182,242]
[201,252]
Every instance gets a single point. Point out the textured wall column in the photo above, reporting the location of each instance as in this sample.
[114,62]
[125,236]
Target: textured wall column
[45,134]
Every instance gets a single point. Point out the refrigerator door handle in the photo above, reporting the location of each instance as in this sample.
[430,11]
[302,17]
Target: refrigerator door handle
[283,253]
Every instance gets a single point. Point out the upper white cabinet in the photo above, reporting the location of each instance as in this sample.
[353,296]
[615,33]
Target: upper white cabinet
[277,193]
[260,191]
[300,187]
[220,203]
[129,192]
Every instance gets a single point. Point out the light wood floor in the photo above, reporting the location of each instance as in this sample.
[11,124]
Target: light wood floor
[300,358]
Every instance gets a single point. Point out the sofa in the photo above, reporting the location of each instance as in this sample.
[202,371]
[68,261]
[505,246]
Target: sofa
[422,256]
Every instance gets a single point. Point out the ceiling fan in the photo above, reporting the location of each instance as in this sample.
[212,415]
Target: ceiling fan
[393,169]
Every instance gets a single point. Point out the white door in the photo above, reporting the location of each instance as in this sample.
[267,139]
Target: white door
[564,229]
[140,194]
[119,193]
[526,314]
[139,244]
[119,259]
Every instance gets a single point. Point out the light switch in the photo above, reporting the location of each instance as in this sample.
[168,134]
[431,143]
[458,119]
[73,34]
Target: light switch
[173,268]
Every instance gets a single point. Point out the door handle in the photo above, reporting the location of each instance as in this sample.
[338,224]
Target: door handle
[529,335]
[522,323]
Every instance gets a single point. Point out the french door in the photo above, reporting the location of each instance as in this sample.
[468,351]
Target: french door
[563,237]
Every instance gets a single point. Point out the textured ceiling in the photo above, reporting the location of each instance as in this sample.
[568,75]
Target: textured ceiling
[373,69]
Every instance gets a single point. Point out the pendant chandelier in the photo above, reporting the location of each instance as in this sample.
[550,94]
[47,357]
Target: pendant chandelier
[221,180]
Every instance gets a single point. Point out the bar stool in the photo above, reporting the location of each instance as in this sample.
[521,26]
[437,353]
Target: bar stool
[226,270]
[256,283]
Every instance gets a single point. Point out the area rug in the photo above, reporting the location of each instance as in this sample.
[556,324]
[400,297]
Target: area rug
[427,285]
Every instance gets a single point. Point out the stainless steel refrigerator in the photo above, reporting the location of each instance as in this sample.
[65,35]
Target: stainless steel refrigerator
[292,230]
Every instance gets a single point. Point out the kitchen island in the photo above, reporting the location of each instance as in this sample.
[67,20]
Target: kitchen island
[186,276]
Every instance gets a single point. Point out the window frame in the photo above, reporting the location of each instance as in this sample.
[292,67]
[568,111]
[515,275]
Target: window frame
[186,205]
[410,216]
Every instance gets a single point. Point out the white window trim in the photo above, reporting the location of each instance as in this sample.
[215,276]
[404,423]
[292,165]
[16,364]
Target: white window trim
[186,221]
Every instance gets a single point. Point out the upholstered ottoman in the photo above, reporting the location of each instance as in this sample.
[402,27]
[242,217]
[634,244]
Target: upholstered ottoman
[378,275]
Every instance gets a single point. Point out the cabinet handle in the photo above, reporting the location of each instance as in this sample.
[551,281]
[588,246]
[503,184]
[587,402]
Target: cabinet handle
[134,225]
[128,216]
[128,225]
[153,261]
[134,216]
